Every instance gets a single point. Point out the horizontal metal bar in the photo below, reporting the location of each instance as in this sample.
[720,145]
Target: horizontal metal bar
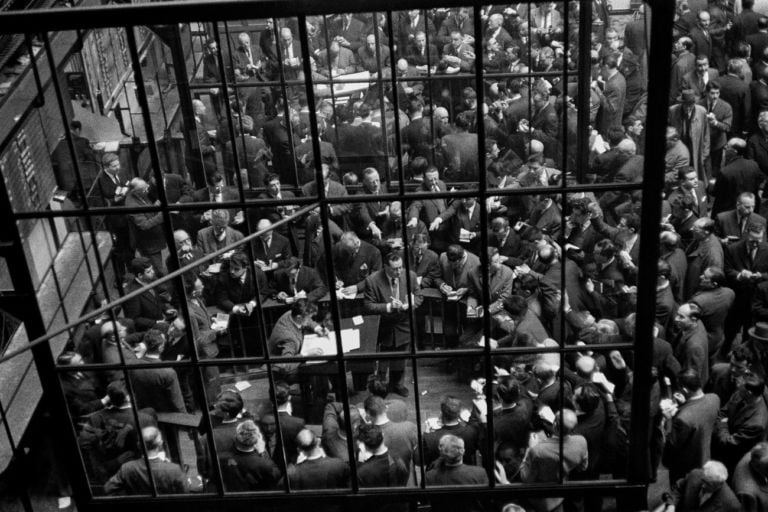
[363,356]
[165,13]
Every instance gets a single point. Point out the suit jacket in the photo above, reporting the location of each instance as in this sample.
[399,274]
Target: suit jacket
[688,444]
[460,155]
[353,33]
[702,254]
[365,213]
[307,280]
[757,43]
[759,97]
[366,262]
[207,242]
[735,92]
[691,81]
[737,176]
[394,326]
[157,388]
[699,194]
[370,61]
[202,334]
[415,57]
[724,118]
[418,140]
[757,150]
[345,62]
[279,250]
[737,259]
[458,279]
[459,219]
[722,500]
[727,224]
[429,209]
[427,267]
[451,23]
[335,189]
[231,291]
[147,233]
[681,66]
[699,136]
[612,102]
[714,305]
[145,309]
[290,426]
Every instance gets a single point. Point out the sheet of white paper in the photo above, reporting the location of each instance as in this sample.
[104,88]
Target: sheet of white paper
[111,146]
[357,320]
[350,339]
[242,385]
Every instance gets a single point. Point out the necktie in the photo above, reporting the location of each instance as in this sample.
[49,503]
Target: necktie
[293,285]
[742,224]
[395,288]
[752,256]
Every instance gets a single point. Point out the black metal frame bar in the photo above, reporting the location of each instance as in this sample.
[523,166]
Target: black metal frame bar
[172,13]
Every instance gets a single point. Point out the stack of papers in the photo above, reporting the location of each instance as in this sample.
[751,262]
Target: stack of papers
[350,340]
[220,321]
[464,235]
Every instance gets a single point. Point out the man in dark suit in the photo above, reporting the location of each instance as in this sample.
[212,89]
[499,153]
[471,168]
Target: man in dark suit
[146,228]
[236,295]
[463,216]
[316,471]
[348,32]
[298,280]
[409,25]
[277,137]
[460,21]
[689,185]
[714,300]
[427,210]
[372,58]
[370,216]
[336,61]
[337,212]
[707,489]
[739,175]
[735,91]
[746,265]
[456,265]
[290,425]
[271,250]
[758,41]
[149,308]
[387,295]
[757,145]
[758,89]
[511,248]
[417,138]
[459,152]
[688,444]
[290,53]
[683,63]
[157,388]
[424,261]
[419,55]
[731,225]
[381,468]
[720,117]
[613,94]
[705,251]
[701,36]
[112,187]
[251,155]
[353,261]
[273,191]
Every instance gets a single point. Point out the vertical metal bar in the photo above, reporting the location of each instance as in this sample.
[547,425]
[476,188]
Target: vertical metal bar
[584,80]
[661,35]
[406,259]
[23,492]
[40,98]
[284,90]
[327,246]
[563,179]
[187,111]
[484,263]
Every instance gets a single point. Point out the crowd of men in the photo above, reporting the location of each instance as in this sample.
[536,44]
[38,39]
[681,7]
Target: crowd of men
[392,259]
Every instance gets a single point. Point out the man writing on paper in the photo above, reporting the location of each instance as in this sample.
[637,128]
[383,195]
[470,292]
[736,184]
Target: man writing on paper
[386,295]
[288,336]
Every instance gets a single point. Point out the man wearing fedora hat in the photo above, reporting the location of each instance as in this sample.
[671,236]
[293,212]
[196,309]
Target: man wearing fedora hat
[757,344]
[691,123]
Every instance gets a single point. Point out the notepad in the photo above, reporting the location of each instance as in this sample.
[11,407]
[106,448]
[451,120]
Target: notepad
[350,340]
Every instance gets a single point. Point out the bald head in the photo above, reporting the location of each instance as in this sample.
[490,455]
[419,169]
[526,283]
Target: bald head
[569,421]
[627,147]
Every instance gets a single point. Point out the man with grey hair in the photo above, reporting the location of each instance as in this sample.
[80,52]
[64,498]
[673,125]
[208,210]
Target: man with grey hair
[133,476]
[450,470]
[542,462]
[218,235]
[706,487]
